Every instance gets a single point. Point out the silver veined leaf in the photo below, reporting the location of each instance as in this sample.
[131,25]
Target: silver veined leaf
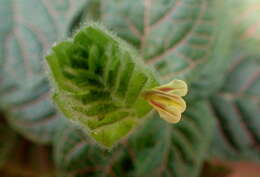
[30,27]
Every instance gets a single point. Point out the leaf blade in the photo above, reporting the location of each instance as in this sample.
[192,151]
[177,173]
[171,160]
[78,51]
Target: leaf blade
[152,150]
[24,38]
[237,119]
[109,128]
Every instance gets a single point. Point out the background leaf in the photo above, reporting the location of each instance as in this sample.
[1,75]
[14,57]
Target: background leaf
[179,38]
[157,149]
[29,29]
[245,19]
[237,110]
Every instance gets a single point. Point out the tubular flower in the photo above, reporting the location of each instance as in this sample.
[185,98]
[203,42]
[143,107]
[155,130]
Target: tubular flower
[167,100]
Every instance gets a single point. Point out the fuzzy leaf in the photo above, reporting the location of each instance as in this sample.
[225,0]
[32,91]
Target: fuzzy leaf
[156,149]
[27,30]
[237,110]
[98,81]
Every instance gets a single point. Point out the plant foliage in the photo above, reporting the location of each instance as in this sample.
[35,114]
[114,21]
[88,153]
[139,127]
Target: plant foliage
[157,148]
[236,107]
[211,44]
[28,29]
[99,81]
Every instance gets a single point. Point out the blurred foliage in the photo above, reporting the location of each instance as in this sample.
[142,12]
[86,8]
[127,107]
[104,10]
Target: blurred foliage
[212,44]
[25,38]
[156,148]
[236,107]
[245,18]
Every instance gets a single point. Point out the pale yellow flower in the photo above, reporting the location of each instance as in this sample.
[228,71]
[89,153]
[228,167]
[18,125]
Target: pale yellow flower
[167,100]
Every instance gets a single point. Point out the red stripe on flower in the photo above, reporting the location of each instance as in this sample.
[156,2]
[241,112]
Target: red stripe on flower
[165,89]
[157,105]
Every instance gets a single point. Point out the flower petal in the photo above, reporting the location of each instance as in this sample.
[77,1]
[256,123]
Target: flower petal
[171,118]
[169,114]
[177,87]
[168,100]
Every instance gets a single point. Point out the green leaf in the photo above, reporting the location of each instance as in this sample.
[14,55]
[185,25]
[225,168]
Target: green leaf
[7,142]
[237,110]
[156,149]
[212,75]
[179,38]
[245,16]
[98,81]
[28,29]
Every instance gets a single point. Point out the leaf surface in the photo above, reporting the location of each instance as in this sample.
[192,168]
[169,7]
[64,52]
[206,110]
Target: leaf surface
[28,29]
[156,149]
[99,82]
[179,38]
[245,15]
[237,110]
